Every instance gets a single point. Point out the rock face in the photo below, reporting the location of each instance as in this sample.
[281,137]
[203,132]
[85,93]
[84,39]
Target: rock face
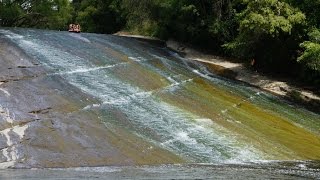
[69,100]
[43,124]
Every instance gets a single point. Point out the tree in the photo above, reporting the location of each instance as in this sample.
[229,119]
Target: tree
[10,12]
[310,58]
[53,14]
[269,32]
[311,8]
[99,16]
[61,15]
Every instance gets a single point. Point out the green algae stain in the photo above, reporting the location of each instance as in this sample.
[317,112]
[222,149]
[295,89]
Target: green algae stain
[135,74]
[116,54]
[141,77]
[276,135]
[273,134]
[140,151]
[132,146]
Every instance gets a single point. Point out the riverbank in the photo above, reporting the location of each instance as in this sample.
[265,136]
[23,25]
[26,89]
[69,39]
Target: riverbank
[285,87]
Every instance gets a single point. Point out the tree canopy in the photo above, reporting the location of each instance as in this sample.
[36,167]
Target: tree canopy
[277,33]
[53,14]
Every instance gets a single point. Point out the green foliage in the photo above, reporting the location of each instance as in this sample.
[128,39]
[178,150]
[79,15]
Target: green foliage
[141,16]
[270,17]
[53,14]
[311,9]
[311,55]
[9,13]
[268,32]
[310,58]
[61,15]
[196,22]
[85,18]
[98,15]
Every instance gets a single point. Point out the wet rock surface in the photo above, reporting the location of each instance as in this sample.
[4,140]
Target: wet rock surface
[69,100]
[42,121]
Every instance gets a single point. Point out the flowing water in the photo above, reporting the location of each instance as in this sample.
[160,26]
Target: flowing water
[276,170]
[213,125]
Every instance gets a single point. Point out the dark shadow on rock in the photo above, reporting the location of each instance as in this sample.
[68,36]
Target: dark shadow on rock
[221,71]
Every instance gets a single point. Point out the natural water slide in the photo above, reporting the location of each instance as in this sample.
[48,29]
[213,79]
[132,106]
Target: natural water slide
[88,100]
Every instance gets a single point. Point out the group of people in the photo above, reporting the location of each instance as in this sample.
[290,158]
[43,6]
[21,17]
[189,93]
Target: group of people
[74,28]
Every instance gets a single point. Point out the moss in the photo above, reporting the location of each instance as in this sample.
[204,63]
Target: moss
[138,76]
[273,134]
[117,54]
[134,147]
[140,151]
[266,129]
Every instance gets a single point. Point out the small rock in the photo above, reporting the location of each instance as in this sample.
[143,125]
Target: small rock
[283,89]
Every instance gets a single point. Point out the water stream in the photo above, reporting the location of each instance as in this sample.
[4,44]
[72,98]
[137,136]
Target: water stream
[173,103]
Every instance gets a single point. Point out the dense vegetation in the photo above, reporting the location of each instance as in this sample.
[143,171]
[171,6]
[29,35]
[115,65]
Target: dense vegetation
[53,14]
[283,36]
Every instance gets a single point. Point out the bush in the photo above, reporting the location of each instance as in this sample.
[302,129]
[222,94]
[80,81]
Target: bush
[268,32]
[310,59]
